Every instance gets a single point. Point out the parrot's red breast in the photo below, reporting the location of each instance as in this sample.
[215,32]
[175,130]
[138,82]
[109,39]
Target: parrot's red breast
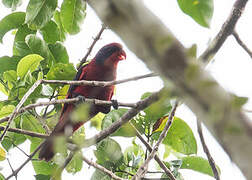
[101,68]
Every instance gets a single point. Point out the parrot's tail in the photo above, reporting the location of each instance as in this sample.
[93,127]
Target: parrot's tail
[46,151]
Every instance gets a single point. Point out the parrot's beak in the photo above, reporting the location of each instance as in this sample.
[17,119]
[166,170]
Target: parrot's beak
[122,55]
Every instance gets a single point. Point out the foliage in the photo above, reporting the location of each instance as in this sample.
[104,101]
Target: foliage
[39,52]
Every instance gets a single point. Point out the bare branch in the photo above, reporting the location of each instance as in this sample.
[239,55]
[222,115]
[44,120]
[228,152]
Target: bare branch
[11,167]
[159,161]
[143,169]
[226,30]
[26,161]
[21,131]
[101,168]
[22,101]
[206,150]
[124,119]
[242,44]
[98,36]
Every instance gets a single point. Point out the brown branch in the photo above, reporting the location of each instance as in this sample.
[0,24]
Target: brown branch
[124,119]
[226,30]
[98,36]
[159,161]
[242,44]
[11,167]
[143,169]
[21,131]
[101,168]
[26,161]
[71,100]
[97,83]
[206,150]
[22,101]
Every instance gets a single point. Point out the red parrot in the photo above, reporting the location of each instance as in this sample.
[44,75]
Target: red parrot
[101,68]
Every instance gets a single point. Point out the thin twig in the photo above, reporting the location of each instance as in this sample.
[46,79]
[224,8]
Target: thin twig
[26,161]
[143,169]
[98,36]
[206,150]
[226,30]
[11,167]
[21,131]
[101,168]
[159,161]
[22,101]
[19,148]
[242,44]
[124,119]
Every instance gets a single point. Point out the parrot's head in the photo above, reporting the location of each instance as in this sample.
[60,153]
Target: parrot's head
[110,54]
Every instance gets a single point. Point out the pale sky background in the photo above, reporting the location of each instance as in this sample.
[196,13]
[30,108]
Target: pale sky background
[231,68]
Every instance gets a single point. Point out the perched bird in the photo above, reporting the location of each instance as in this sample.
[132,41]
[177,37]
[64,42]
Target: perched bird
[101,68]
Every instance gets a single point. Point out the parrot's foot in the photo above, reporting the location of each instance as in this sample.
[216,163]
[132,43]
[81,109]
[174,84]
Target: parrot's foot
[81,98]
[115,103]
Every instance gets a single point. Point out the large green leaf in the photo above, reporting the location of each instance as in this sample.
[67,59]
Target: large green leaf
[59,52]
[58,20]
[42,177]
[10,77]
[51,32]
[72,15]
[75,164]
[13,4]
[200,10]
[8,63]
[19,41]
[39,12]
[110,151]
[6,110]
[28,63]
[61,71]
[37,46]
[126,130]
[100,175]
[11,21]
[197,164]
[180,136]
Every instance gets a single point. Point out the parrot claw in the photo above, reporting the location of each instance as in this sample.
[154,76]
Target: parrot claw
[114,103]
[81,98]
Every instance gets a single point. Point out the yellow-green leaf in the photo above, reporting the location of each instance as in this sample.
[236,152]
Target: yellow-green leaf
[2,154]
[6,110]
[28,63]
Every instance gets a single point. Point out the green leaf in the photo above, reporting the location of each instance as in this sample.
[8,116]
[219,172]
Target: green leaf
[72,15]
[58,20]
[19,41]
[61,71]
[38,46]
[75,164]
[79,136]
[11,21]
[6,110]
[13,4]
[108,150]
[8,63]
[158,109]
[100,175]
[59,52]
[39,12]
[28,63]
[126,130]
[200,10]
[180,136]
[42,177]
[10,77]
[2,154]
[51,32]
[41,167]
[2,177]
[197,164]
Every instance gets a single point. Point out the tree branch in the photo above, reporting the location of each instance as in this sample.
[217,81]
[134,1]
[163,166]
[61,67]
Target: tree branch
[207,152]
[21,131]
[226,30]
[98,36]
[144,167]
[101,168]
[124,119]
[242,44]
[159,161]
